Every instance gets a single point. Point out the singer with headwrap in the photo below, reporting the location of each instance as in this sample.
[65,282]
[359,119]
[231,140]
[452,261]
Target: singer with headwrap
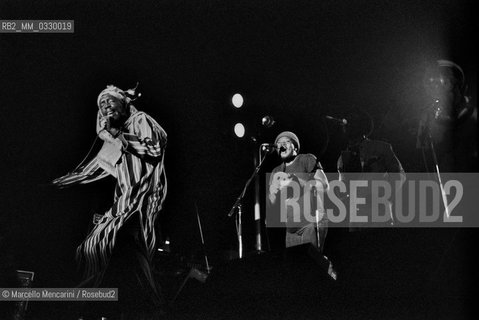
[118,251]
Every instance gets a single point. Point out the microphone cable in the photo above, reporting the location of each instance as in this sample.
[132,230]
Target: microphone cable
[87,155]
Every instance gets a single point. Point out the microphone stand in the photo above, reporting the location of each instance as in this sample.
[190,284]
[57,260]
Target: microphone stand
[238,205]
[430,141]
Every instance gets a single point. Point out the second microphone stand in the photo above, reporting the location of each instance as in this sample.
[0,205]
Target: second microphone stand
[428,139]
[237,207]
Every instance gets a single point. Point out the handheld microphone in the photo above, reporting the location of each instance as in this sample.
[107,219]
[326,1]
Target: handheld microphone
[105,121]
[341,122]
[268,147]
[272,147]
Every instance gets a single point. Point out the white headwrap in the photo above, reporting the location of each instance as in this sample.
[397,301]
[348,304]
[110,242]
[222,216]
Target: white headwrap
[111,151]
[126,96]
[115,92]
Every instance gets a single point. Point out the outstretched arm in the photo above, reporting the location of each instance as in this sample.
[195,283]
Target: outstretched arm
[85,174]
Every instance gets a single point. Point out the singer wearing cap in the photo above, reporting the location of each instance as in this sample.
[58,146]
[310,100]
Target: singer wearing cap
[302,169]
[118,251]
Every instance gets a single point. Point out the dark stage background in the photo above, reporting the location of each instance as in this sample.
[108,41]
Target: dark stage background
[292,60]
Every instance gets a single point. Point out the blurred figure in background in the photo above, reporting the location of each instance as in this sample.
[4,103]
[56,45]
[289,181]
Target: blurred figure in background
[447,130]
[364,156]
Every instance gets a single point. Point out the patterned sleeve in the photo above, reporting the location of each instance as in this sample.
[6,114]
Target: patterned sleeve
[85,174]
[146,138]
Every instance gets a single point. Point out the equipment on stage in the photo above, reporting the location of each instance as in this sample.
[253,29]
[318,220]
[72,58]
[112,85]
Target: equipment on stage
[176,270]
[237,206]
[263,151]
[25,279]
[341,122]
[298,269]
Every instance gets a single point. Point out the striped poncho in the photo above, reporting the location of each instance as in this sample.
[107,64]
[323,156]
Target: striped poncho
[141,188]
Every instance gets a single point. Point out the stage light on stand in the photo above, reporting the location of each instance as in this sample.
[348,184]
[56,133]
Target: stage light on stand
[239,130]
[237,100]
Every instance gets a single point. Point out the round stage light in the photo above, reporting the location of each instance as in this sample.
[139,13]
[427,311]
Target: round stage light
[237,100]
[239,130]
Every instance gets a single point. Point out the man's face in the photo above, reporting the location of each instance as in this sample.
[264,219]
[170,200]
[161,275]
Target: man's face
[112,107]
[287,148]
[444,90]
[441,88]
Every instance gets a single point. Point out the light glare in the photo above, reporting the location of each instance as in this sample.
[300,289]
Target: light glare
[239,130]
[237,100]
